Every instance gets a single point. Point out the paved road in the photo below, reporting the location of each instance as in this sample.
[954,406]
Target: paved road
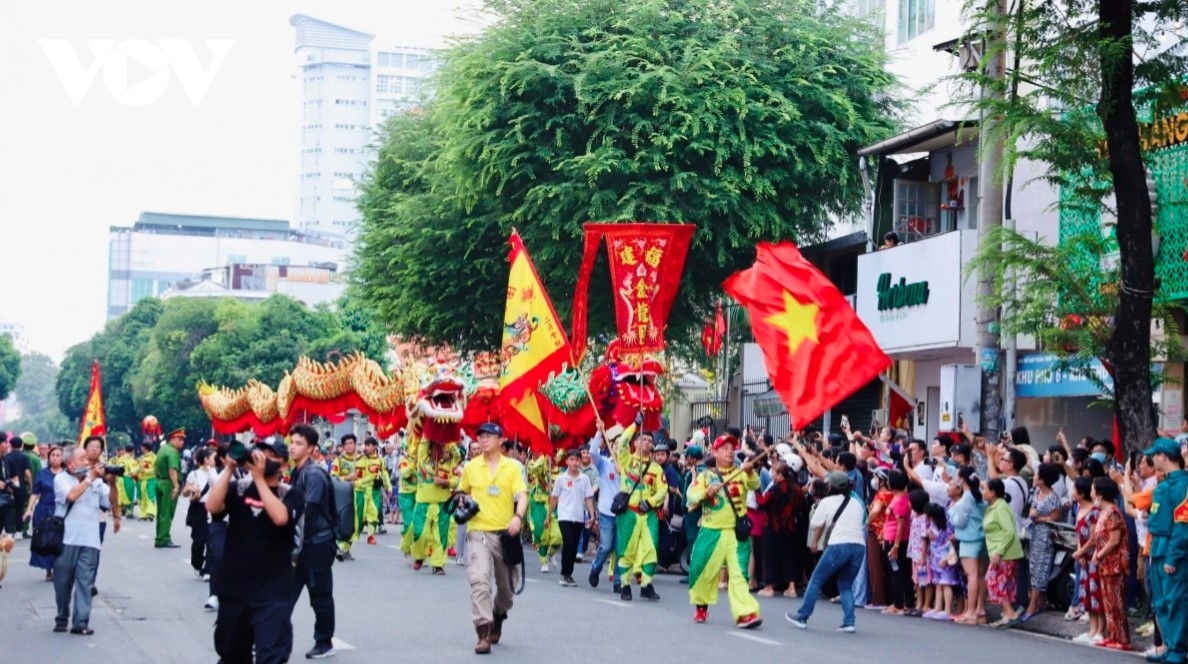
[150,610]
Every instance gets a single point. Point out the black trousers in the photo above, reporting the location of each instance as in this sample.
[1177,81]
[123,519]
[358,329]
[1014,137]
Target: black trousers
[314,572]
[571,532]
[8,518]
[781,564]
[902,594]
[216,538]
[20,524]
[241,624]
[199,534]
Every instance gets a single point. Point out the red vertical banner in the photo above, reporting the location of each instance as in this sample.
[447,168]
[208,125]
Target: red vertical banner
[646,263]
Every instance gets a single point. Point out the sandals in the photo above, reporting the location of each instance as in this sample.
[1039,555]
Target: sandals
[1005,623]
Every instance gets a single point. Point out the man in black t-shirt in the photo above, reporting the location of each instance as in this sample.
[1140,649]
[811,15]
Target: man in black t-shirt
[319,545]
[255,579]
[20,471]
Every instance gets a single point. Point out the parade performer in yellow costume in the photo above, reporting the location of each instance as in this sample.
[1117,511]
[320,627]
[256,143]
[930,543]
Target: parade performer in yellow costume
[637,530]
[546,534]
[373,484]
[346,468]
[407,498]
[435,464]
[127,483]
[721,493]
[148,483]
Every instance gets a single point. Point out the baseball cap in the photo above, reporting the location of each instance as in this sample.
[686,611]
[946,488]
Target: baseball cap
[838,480]
[723,439]
[491,428]
[1162,446]
[275,446]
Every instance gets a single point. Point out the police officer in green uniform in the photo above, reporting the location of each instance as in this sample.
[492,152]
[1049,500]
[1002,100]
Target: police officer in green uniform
[167,472]
[1168,525]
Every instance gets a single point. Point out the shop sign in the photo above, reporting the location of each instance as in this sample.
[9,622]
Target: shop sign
[911,296]
[902,294]
[1037,377]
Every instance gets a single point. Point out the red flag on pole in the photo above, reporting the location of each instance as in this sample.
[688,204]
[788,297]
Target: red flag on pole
[816,349]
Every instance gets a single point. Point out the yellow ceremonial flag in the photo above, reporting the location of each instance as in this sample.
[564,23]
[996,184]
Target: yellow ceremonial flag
[93,421]
[534,343]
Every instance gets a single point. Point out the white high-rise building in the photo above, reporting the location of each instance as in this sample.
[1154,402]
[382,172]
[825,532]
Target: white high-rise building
[348,87]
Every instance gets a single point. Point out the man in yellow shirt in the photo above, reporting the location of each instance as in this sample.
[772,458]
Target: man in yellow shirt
[721,493]
[496,484]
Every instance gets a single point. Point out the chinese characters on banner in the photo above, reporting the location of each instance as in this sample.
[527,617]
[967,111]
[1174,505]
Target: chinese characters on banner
[646,264]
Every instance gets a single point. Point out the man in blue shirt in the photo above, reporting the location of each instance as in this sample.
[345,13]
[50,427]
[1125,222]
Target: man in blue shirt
[608,487]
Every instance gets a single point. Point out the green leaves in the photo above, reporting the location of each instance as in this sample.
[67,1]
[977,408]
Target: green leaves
[153,357]
[565,112]
[10,366]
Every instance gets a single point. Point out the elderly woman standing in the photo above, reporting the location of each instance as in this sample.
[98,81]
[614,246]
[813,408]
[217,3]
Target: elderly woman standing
[1113,563]
[1005,549]
[1045,510]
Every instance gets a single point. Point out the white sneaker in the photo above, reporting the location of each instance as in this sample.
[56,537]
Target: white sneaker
[1084,618]
[581,558]
[1082,638]
[848,629]
[206,577]
[1096,639]
[544,569]
[212,604]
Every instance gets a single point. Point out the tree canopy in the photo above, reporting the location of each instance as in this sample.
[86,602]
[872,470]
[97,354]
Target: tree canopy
[742,117]
[153,357]
[38,404]
[10,366]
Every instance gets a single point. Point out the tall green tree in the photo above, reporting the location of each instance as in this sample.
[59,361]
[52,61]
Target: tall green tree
[1081,73]
[740,116]
[10,366]
[120,348]
[38,402]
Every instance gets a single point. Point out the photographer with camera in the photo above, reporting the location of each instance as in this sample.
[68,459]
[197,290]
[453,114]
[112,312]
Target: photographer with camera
[254,582]
[316,559]
[496,484]
[80,493]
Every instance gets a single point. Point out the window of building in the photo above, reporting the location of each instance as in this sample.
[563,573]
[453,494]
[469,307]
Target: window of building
[280,260]
[915,18]
[236,259]
[386,59]
[867,7]
[917,209]
[141,288]
[345,150]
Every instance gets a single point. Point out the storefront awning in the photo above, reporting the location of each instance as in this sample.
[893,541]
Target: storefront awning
[931,137]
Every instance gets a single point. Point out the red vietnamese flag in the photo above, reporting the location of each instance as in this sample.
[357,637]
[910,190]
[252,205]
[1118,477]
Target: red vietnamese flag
[816,349]
[712,333]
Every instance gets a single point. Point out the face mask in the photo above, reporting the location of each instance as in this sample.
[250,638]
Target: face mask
[271,468]
[1100,456]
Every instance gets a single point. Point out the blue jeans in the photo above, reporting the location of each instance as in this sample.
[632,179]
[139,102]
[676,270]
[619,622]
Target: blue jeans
[606,544]
[843,561]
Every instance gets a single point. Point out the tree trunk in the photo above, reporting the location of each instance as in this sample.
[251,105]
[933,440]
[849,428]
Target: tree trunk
[1130,346]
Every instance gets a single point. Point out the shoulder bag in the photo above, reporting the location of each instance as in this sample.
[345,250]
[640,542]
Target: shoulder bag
[49,534]
[836,516]
[622,499]
[742,524]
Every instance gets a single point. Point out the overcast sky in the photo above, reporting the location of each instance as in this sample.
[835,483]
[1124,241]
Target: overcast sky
[68,172]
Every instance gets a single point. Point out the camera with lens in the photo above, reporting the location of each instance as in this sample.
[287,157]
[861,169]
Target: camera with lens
[118,471]
[238,452]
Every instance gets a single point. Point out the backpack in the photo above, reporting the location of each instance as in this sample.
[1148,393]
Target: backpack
[342,504]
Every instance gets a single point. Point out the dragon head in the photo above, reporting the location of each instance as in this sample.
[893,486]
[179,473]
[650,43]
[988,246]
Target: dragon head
[441,402]
[625,385]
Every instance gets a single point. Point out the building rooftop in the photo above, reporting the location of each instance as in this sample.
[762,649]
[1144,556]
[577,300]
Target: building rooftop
[205,221]
[322,34]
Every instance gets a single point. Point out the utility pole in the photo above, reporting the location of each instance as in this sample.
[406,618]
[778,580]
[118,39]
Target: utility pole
[990,184]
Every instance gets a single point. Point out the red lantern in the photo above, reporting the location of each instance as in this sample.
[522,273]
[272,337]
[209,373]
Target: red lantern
[150,426]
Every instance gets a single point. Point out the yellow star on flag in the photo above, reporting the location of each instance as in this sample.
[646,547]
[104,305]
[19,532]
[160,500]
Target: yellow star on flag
[798,321]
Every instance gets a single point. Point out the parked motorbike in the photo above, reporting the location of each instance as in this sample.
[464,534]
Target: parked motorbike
[1062,580]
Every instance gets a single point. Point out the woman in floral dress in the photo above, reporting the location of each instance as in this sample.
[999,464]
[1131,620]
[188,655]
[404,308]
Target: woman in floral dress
[1087,515]
[1113,562]
[1045,510]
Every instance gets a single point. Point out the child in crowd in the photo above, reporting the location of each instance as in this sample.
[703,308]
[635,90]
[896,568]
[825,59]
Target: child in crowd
[918,552]
[942,562]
